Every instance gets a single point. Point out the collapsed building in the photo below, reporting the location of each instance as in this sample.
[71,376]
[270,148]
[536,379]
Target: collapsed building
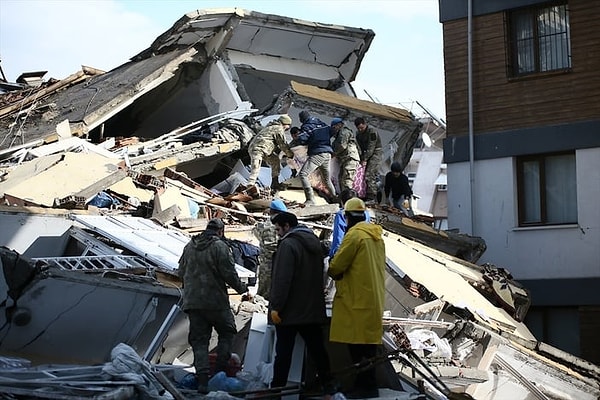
[106,174]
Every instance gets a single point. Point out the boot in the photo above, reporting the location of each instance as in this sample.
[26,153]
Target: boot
[202,383]
[274,183]
[310,196]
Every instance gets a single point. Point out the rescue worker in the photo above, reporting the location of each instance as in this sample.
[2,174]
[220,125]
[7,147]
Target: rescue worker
[206,268]
[297,304]
[371,155]
[266,234]
[266,145]
[358,269]
[340,226]
[397,185]
[316,135]
[345,149]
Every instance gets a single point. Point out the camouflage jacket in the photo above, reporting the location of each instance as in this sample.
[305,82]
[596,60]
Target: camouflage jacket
[267,236]
[369,144]
[206,267]
[345,146]
[269,140]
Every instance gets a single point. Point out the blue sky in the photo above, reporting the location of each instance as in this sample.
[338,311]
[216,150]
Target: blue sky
[403,65]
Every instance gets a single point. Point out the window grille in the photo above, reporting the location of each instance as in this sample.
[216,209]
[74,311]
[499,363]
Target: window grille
[539,39]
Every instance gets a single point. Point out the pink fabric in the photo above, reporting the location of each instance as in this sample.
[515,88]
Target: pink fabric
[360,185]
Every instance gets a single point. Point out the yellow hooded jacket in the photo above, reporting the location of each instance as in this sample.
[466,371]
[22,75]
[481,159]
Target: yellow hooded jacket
[359,270]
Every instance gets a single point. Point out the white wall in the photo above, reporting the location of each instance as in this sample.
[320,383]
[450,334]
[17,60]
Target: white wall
[34,235]
[428,164]
[550,252]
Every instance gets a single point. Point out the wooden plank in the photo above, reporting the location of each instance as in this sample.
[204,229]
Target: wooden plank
[102,184]
[166,163]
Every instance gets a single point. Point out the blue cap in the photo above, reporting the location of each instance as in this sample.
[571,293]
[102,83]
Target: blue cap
[336,120]
[278,205]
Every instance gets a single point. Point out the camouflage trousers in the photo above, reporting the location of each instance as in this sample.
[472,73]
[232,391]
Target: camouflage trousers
[347,173]
[371,175]
[256,159]
[264,275]
[201,325]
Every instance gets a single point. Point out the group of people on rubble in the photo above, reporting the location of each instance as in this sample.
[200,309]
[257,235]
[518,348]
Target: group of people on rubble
[354,151]
[295,293]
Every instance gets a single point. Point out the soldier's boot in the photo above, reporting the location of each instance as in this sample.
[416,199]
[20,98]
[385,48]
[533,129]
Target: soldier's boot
[202,383]
[276,187]
[310,196]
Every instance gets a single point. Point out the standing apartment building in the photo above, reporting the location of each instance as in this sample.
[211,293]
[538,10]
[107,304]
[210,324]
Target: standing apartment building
[523,152]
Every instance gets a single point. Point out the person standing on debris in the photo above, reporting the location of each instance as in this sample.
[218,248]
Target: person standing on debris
[266,145]
[345,150]
[397,184]
[371,153]
[358,269]
[206,267]
[297,302]
[340,225]
[316,135]
[266,234]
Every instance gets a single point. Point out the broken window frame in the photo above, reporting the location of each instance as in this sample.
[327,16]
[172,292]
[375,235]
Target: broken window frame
[547,189]
[538,39]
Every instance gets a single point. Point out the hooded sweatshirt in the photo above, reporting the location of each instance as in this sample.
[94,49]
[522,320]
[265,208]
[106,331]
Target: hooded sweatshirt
[359,270]
[297,287]
[206,267]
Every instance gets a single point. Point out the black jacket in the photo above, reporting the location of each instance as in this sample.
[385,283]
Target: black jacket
[297,286]
[399,186]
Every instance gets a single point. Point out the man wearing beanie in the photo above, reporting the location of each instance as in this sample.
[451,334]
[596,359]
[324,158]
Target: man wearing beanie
[315,134]
[266,145]
[206,268]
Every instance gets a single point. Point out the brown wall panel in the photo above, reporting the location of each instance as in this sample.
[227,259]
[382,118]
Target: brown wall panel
[501,103]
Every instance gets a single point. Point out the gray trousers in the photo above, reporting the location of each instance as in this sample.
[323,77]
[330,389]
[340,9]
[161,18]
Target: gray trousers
[320,162]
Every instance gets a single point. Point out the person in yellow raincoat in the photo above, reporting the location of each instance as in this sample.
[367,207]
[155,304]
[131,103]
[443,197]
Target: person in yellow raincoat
[358,269]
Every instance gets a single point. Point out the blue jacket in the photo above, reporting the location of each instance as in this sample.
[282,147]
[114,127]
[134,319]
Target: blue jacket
[340,226]
[316,135]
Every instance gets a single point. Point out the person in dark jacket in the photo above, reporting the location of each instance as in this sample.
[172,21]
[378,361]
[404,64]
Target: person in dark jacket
[297,302]
[315,134]
[206,267]
[396,184]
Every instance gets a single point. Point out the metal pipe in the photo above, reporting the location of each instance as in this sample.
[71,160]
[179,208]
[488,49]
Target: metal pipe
[470,102]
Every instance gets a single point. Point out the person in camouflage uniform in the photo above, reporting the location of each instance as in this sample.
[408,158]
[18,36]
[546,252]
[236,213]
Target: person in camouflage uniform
[266,234]
[206,267]
[371,154]
[266,145]
[345,150]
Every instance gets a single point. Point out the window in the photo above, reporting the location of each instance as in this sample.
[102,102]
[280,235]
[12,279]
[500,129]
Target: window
[547,189]
[539,39]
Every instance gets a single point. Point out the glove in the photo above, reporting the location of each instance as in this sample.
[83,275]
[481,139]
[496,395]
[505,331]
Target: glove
[275,317]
